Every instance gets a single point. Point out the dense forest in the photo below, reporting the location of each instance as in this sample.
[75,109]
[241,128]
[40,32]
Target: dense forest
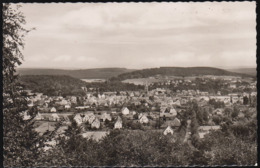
[97,73]
[53,85]
[175,71]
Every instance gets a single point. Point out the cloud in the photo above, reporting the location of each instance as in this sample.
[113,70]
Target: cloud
[138,35]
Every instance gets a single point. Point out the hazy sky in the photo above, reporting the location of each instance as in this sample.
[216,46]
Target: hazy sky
[140,35]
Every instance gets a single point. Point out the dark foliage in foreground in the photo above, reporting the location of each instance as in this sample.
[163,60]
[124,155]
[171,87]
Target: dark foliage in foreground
[142,148]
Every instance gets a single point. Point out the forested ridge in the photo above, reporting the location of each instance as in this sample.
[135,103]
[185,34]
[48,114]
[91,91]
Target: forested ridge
[97,73]
[176,71]
[53,85]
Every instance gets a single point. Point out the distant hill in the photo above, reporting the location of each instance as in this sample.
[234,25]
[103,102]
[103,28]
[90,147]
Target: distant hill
[98,73]
[176,71]
[249,71]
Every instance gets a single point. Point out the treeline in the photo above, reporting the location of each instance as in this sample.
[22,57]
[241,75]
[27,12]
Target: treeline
[53,85]
[174,71]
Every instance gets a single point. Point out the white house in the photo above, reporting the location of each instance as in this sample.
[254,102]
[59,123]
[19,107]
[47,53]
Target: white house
[67,106]
[38,117]
[168,130]
[63,102]
[53,110]
[95,124]
[55,117]
[176,122]
[173,112]
[143,119]
[92,117]
[106,116]
[79,119]
[125,111]
[118,124]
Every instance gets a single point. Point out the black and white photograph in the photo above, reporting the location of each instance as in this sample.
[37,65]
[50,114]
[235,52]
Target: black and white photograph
[129,84]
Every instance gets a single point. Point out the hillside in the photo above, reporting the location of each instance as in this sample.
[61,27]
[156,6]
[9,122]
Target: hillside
[249,71]
[98,73]
[53,85]
[176,71]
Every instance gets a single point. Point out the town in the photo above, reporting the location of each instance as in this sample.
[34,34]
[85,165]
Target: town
[156,107]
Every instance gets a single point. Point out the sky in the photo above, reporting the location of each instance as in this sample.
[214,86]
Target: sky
[140,35]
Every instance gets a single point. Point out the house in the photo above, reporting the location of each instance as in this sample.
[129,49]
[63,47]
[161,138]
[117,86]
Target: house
[67,106]
[73,99]
[92,117]
[162,109]
[63,102]
[30,104]
[105,117]
[176,122]
[53,110]
[133,112]
[168,130]
[177,103]
[218,111]
[173,112]
[55,117]
[82,118]
[95,124]
[125,111]
[38,117]
[26,116]
[143,119]
[118,124]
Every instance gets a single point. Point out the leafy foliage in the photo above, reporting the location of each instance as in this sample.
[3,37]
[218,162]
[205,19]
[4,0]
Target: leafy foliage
[20,141]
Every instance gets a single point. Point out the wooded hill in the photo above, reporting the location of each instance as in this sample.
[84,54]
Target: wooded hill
[176,71]
[249,71]
[98,73]
[53,85]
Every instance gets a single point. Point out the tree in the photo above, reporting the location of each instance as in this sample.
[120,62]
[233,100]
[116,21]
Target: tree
[21,143]
[235,112]
[245,100]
